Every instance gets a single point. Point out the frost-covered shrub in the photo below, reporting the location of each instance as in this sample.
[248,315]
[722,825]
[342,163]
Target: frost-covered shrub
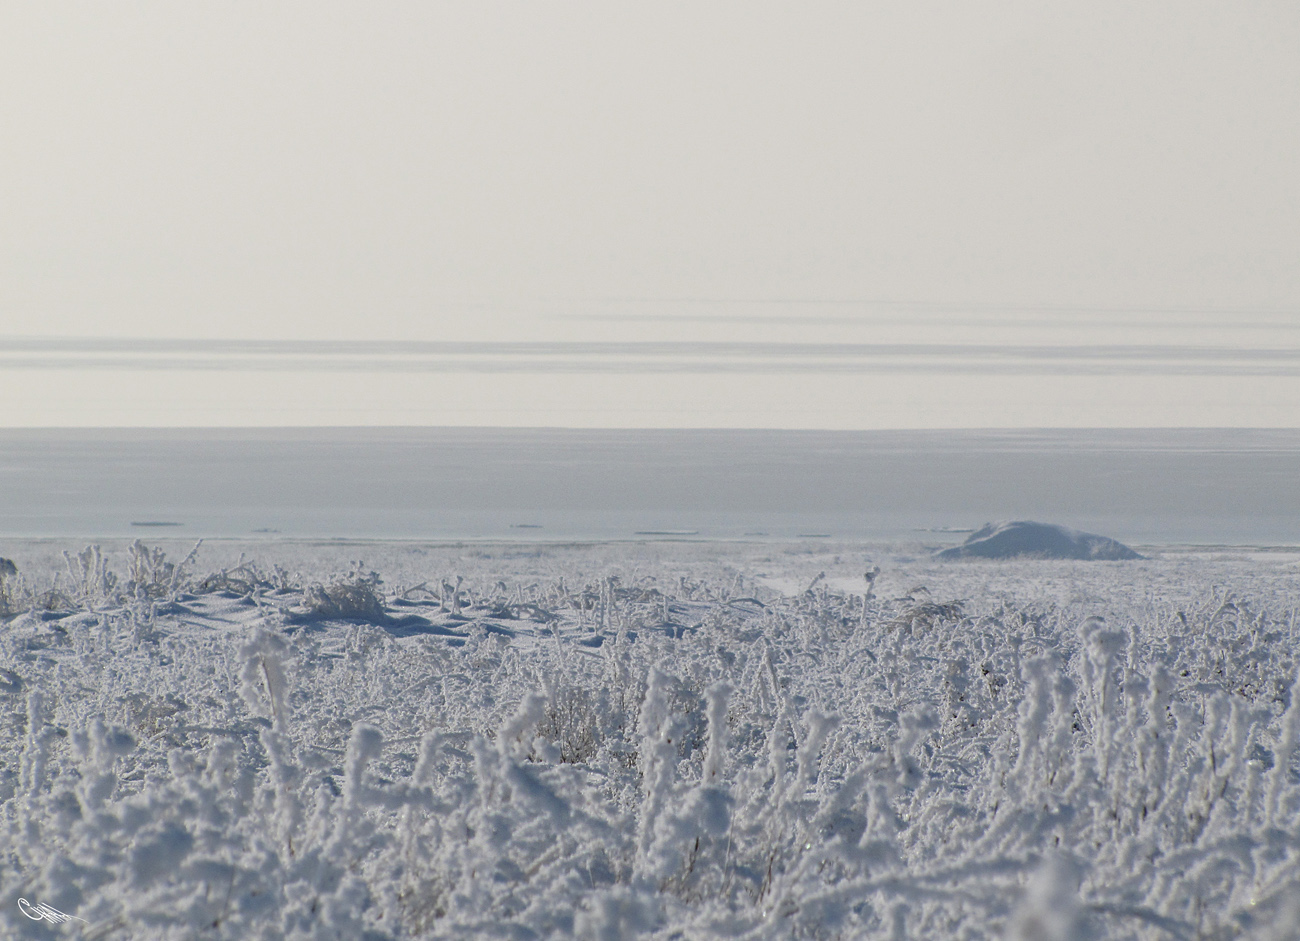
[575,720]
[245,578]
[12,593]
[93,582]
[358,596]
[151,576]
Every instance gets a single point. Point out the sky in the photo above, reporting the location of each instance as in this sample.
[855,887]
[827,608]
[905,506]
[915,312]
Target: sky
[705,214]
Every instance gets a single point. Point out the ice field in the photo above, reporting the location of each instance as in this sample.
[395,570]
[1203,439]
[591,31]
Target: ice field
[659,739]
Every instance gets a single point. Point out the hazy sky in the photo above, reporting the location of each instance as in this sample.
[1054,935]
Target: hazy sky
[1001,174]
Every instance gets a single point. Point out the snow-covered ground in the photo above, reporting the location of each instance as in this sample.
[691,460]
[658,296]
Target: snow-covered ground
[665,739]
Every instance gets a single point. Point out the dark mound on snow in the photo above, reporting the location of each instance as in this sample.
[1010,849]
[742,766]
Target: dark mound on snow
[1024,539]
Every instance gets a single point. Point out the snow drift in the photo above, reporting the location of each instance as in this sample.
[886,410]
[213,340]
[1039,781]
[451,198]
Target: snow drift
[1037,540]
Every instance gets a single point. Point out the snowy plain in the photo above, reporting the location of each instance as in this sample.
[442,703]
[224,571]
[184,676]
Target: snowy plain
[647,738]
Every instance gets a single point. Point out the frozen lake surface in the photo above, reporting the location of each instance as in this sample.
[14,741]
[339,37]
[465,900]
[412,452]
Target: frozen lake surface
[1138,486]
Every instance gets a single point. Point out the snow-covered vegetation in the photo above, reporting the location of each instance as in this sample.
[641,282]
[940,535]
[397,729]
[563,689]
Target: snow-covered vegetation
[658,740]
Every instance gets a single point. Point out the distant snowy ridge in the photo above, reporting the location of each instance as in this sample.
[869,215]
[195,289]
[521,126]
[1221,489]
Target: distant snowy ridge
[1009,540]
